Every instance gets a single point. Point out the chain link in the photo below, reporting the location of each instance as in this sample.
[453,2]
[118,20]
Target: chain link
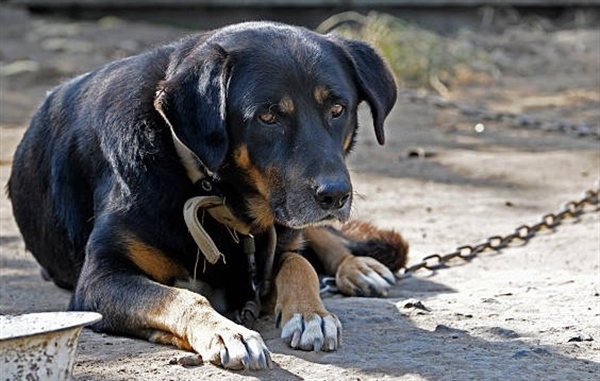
[522,234]
[517,120]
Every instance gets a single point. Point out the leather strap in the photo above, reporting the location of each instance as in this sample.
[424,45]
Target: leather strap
[216,207]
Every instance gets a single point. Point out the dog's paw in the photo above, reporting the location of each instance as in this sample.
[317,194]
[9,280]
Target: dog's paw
[364,276]
[239,349]
[312,332]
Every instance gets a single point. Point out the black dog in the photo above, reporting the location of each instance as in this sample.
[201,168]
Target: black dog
[250,124]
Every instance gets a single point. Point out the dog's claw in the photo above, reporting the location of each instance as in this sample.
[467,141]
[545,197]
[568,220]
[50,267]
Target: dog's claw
[296,339]
[315,333]
[332,329]
[239,351]
[364,276]
[292,330]
[390,278]
[317,345]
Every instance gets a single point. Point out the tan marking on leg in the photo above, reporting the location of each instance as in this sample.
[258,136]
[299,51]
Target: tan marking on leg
[167,338]
[297,288]
[187,320]
[153,262]
[364,276]
[328,246]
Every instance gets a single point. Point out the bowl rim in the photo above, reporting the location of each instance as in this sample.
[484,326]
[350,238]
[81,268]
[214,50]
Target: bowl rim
[39,323]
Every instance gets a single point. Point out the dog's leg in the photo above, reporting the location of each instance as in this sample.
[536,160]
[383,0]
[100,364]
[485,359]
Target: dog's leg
[355,254]
[174,316]
[121,289]
[306,324]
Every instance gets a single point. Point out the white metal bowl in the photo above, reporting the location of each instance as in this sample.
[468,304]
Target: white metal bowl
[41,346]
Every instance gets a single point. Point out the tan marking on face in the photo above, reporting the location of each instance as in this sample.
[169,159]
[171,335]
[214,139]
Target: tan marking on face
[321,94]
[347,142]
[260,212]
[256,177]
[286,105]
[153,262]
[241,157]
[258,206]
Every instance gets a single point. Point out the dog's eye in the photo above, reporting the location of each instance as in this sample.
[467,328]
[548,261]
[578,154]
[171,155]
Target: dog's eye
[337,110]
[267,118]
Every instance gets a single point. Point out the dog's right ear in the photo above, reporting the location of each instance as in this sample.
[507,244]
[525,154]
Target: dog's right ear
[192,100]
[375,81]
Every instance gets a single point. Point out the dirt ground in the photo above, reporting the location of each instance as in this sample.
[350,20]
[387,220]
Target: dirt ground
[529,312]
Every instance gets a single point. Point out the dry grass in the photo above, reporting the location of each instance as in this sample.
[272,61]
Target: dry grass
[418,58]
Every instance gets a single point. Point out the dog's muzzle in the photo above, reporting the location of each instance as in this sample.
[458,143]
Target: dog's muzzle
[333,195]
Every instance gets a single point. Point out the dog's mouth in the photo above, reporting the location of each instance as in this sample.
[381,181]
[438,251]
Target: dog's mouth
[295,209]
[328,220]
[264,214]
[309,216]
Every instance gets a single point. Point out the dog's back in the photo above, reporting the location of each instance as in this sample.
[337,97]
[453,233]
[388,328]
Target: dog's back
[51,179]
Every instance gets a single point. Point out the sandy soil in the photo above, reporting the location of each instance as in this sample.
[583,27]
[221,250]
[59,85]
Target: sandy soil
[530,312]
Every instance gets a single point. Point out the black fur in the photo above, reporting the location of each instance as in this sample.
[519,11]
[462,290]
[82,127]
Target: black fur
[98,163]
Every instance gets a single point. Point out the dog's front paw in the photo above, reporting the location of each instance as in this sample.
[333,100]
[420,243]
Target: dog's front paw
[364,276]
[236,347]
[312,332]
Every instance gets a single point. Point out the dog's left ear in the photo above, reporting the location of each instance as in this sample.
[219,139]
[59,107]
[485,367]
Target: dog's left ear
[191,99]
[376,83]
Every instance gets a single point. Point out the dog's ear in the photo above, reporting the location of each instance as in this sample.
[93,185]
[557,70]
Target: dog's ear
[375,82]
[192,100]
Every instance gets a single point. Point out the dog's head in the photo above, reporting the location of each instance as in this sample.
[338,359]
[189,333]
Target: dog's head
[273,110]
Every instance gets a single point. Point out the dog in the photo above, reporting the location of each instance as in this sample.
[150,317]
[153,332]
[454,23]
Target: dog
[220,159]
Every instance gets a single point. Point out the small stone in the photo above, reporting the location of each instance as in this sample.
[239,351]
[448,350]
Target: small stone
[580,338]
[418,305]
[187,361]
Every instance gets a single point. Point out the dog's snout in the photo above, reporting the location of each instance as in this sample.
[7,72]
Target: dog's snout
[333,195]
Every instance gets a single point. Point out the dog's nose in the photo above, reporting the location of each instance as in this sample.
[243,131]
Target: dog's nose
[333,195]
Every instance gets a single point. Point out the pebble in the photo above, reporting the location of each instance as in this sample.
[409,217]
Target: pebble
[187,361]
[418,305]
[580,338]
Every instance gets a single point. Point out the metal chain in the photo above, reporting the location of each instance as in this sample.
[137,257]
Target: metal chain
[517,120]
[522,234]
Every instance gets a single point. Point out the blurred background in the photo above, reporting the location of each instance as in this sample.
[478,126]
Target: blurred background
[440,15]
[497,123]
[434,45]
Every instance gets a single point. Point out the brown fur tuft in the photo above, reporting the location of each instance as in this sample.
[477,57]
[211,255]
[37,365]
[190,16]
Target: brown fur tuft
[387,246]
